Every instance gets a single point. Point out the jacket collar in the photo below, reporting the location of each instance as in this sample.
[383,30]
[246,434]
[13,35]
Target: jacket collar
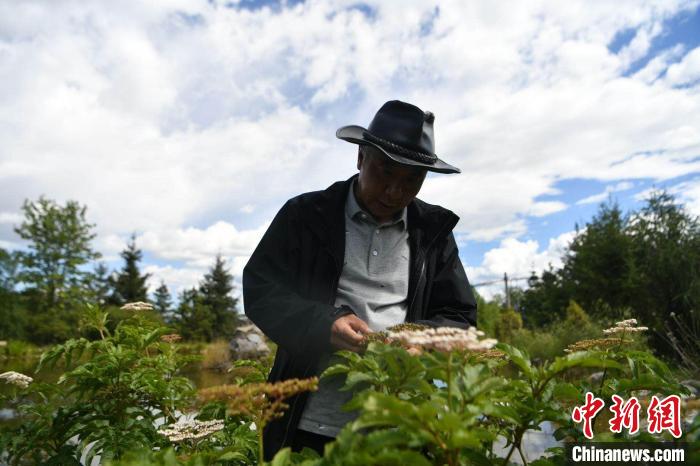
[430,220]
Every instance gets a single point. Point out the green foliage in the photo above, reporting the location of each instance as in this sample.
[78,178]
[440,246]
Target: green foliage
[215,292]
[550,341]
[15,317]
[646,263]
[449,408]
[545,300]
[509,322]
[98,285]
[129,285]
[419,408]
[487,316]
[111,396]
[163,302]
[600,262]
[194,319]
[666,250]
[59,244]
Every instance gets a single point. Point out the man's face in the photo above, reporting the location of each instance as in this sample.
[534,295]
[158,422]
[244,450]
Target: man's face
[385,187]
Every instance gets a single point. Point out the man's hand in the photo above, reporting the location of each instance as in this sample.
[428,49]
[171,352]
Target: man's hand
[347,333]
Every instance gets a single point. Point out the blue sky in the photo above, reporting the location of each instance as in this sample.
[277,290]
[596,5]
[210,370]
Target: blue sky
[190,123]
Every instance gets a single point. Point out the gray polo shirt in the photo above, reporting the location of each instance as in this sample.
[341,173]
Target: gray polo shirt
[374,284]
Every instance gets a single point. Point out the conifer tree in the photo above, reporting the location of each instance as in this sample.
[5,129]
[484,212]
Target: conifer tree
[129,285]
[215,290]
[163,301]
[98,284]
[194,320]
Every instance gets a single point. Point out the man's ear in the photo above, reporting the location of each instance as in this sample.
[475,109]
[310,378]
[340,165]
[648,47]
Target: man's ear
[360,157]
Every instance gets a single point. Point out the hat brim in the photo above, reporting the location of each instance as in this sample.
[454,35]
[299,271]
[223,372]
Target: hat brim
[356,135]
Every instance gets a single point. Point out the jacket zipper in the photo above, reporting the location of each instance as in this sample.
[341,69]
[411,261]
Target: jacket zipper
[422,268]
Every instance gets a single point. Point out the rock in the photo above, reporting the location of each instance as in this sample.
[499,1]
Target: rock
[595,377]
[248,342]
[693,386]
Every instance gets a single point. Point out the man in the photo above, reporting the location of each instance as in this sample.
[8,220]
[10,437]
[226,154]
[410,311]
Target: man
[360,256]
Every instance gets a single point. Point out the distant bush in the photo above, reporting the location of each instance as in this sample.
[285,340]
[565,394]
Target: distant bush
[216,356]
[19,349]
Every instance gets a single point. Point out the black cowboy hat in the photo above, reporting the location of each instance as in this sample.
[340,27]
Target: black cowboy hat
[404,133]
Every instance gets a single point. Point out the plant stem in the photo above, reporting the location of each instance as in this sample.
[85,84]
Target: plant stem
[605,372]
[449,381]
[516,444]
[522,455]
[261,450]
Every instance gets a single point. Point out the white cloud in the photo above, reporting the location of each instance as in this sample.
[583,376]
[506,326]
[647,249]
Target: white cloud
[659,64]
[602,197]
[689,194]
[198,247]
[177,279]
[164,115]
[687,71]
[544,208]
[10,218]
[518,259]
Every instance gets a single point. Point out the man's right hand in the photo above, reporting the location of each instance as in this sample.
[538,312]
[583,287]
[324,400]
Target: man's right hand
[347,333]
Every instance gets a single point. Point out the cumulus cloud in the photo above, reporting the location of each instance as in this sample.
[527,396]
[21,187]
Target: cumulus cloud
[689,193]
[197,247]
[687,71]
[518,259]
[164,115]
[601,197]
[10,218]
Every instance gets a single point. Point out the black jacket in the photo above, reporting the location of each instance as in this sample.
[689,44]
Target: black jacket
[290,282]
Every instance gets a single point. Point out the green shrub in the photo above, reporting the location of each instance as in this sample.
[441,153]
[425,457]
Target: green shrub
[509,322]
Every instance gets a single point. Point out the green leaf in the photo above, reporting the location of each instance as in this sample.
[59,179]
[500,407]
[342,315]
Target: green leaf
[519,358]
[282,458]
[579,359]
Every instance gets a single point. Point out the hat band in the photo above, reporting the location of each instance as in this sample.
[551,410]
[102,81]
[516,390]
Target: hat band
[417,156]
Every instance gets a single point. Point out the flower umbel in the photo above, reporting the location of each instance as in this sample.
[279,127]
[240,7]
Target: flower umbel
[137,306]
[171,338]
[616,337]
[192,430]
[261,401]
[15,378]
[443,339]
[625,326]
[599,343]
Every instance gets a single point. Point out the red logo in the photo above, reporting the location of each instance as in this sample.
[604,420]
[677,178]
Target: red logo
[587,412]
[661,415]
[665,415]
[625,415]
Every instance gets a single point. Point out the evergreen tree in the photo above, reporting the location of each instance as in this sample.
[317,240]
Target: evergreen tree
[666,250]
[194,320]
[163,302]
[129,285]
[99,285]
[215,291]
[599,267]
[14,319]
[59,244]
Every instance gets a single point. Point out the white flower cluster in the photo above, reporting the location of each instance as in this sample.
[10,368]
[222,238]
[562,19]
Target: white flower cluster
[444,339]
[625,326]
[193,429]
[137,306]
[15,378]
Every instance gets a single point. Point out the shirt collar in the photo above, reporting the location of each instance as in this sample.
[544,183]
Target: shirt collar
[353,210]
